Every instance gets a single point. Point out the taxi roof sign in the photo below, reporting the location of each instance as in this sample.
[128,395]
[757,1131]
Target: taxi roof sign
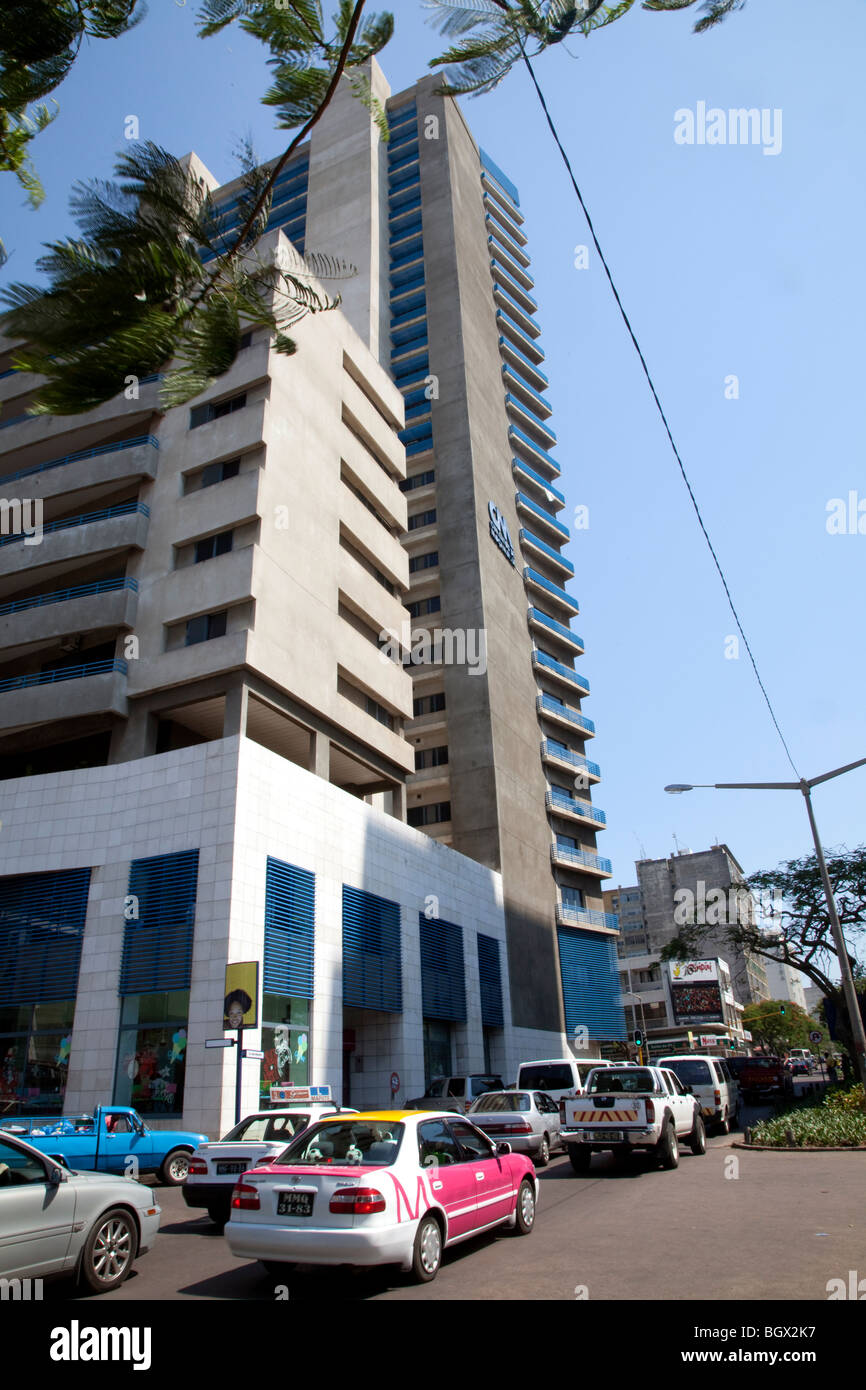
[285,1095]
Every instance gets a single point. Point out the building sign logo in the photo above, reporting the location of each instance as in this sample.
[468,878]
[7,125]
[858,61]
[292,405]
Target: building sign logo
[499,532]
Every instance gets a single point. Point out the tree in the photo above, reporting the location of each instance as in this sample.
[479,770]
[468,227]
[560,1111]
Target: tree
[775,1031]
[133,293]
[39,42]
[794,927]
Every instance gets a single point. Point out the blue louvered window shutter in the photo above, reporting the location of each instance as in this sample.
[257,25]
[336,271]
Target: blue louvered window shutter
[590,985]
[41,932]
[290,911]
[372,969]
[443,977]
[490,976]
[157,945]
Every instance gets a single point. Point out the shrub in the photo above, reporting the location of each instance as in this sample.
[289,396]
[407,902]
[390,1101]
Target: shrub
[816,1126]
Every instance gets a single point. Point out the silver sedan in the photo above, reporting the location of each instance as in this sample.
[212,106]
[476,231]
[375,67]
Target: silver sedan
[527,1120]
[56,1221]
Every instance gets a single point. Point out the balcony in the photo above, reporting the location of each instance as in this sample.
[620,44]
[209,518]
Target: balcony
[500,256]
[525,474]
[541,407]
[515,311]
[553,557]
[539,456]
[560,756]
[498,213]
[528,348]
[546,587]
[573,808]
[544,624]
[492,170]
[497,231]
[76,538]
[529,420]
[567,858]
[103,605]
[563,714]
[606,922]
[96,687]
[515,288]
[556,671]
[523,364]
[540,517]
[107,463]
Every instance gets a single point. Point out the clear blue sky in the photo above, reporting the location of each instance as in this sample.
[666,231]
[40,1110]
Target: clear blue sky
[729,261]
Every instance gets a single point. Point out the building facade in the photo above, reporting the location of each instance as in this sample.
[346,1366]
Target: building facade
[287,675]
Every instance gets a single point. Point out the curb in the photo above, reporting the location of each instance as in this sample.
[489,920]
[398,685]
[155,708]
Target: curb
[804,1149]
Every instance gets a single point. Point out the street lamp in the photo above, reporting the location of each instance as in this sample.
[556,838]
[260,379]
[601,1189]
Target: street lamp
[804,786]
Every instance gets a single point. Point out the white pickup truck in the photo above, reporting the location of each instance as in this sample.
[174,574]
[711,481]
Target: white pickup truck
[626,1108]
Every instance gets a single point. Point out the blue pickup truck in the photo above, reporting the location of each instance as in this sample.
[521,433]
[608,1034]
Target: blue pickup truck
[108,1141]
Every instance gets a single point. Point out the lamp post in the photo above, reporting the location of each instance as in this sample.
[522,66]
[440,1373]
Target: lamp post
[804,786]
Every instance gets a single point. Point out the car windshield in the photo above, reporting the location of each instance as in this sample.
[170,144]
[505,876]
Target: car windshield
[346,1143]
[765,1063]
[264,1128]
[503,1100]
[479,1084]
[690,1071]
[547,1076]
[616,1081]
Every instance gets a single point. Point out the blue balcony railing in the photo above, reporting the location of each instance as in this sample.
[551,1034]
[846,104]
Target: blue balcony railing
[520,408]
[507,323]
[498,233]
[565,672]
[560,629]
[508,188]
[515,308]
[506,345]
[63,673]
[514,377]
[529,539]
[534,577]
[581,856]
[525,471]
[588,916]
[550,748]
[544,516]
[546,704]
[573,805]
[123,509]
[99,586]
[523,440]
[514,287]
[83,454]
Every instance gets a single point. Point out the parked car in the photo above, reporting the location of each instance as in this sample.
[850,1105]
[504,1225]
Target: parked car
[215,1167]
[455,1092]
[623,1109]
[795,1066]
[528,1120]
[385,1187]
[55,1221]
[763,1078]
[106,1141]
[713,1084]
[561,1076]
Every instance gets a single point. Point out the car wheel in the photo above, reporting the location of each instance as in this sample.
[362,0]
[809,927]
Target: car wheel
[580,1157]
[544,1152]
[724,1125]
[427,1251]
[698,1136]
[175,1167]
[668,1148]
[525,1208]
[109,1251]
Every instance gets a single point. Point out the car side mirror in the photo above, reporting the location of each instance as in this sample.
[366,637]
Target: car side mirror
[503,1148]
[56,1175]
[689,1091]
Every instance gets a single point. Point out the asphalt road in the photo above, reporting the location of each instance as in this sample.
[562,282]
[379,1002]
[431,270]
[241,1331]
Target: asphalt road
[732,1224]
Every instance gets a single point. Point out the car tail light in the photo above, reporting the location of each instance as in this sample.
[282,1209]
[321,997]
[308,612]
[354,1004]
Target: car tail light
[717,1097]
[562,1112]
[357,1201]
[197,1168]
[245,1197]
[519,1127]
[650,1112]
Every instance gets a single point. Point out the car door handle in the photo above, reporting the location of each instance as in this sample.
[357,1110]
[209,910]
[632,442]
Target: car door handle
[479,1177]
[437,1186]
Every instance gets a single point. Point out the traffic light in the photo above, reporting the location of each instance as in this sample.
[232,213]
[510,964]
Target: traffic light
[637,1038]
[782,1010]
[732,1043]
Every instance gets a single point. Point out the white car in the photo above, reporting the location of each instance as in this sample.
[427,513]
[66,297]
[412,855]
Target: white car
[384,1187]
[710,1081]
[57,1221]
[215,1167]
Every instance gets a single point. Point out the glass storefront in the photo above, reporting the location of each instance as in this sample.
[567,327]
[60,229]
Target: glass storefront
[151,1055]
[285,1043]
[437,1049]
[34,1057]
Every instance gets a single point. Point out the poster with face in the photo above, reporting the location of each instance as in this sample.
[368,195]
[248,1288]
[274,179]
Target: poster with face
[241,1003]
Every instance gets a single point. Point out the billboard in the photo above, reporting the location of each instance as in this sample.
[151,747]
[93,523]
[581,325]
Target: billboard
[241,1001]
[695,992]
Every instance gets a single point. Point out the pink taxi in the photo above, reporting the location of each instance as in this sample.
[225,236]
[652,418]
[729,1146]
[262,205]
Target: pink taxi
[382,1187]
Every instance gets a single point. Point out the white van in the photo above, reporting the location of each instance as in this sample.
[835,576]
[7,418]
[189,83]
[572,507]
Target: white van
[712,1083]
[561,1076]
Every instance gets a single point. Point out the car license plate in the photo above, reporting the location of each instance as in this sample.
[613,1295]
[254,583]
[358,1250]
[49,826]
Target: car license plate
[609,1135]
[295,1204]
[239,1167]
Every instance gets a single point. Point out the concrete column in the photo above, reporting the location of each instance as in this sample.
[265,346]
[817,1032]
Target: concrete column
[320,755]
[398,801]
[135,737]
[235,713]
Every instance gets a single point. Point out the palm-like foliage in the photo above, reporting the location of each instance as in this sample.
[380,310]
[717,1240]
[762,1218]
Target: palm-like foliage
[39,42]
[131,293]
[492,35]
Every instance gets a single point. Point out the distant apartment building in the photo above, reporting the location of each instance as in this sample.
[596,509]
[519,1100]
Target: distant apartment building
[784,982]
[219,743]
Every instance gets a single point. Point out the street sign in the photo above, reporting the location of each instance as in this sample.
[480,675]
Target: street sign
[219,1042]
[815,1036]
[254,1053]
[395,1082]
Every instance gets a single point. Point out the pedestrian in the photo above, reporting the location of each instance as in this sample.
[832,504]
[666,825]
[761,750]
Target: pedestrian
[832,1072]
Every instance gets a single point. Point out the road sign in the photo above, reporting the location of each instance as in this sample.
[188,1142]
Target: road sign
[220,1042]
[254,1053]
[395,1082]
[815,1037]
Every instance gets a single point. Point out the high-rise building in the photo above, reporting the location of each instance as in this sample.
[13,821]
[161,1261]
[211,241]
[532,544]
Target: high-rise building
[288,676]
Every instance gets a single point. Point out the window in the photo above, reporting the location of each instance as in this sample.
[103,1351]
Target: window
[437,1145]
[21,1167]
[433,604]
[428,561]
[34,1056]
[428,704]
[433,814]
[246,339]
[213,545]
[205,628]
[215,410]
[475,1146]
[285,1043]
[571,897]
[431,757]
[151,1054]
[219,472]
[419,480]
[379,712]
[422,519]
